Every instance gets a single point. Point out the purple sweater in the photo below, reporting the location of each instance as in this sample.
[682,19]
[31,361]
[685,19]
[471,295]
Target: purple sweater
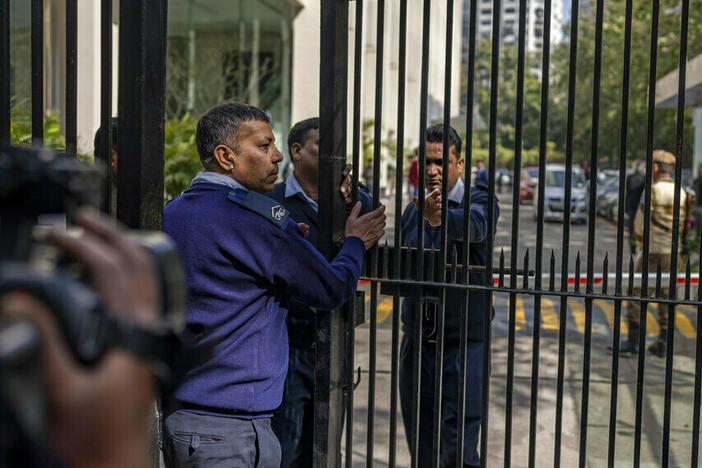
[243,259]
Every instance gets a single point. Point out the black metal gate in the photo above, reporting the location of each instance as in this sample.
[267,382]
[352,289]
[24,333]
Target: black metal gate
[393,270]
[141,104]
[141,98]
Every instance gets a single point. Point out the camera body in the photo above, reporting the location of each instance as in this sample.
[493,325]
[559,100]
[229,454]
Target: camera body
[37,181]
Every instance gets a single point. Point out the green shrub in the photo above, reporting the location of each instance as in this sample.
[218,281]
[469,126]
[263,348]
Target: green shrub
[181,159]
[21,127]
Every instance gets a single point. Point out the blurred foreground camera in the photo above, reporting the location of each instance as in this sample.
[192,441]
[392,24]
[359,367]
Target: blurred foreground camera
[36,182]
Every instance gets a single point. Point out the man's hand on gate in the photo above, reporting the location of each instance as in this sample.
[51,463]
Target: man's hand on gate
[305,228]
[369,228]
[346,185]
[432,207]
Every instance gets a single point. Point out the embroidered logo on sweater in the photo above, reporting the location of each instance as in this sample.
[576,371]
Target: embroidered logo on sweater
[260,204]
[278,212]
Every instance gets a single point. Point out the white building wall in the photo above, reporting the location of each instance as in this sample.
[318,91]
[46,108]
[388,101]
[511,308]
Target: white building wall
[509,18]
[88,63]
[305,100]
[305,62]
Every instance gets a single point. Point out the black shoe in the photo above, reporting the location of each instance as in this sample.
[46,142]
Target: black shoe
[658,348]
[627,348]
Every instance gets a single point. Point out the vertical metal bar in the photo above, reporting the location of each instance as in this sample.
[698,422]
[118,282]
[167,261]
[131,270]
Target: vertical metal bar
[357,73]
[465,258]
[37,72]
[355,144]
[348,394]
[377,142]
[439,356]
[543,128]
[614,389]
[332,158]
[5,71]
[397,241]
[417,377]
[521,47]
[592,220]
[674,250]
[492,153]
[694,463]
[566,227]
[646,234]
[71,75]
[105,153]
[142,84]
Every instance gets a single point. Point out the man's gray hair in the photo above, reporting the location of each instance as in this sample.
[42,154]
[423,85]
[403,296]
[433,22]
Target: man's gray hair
[220,125]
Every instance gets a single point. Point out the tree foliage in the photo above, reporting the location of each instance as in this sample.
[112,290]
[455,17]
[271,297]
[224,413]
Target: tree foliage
[611,83]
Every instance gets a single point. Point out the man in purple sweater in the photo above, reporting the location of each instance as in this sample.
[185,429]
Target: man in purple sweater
[244,258]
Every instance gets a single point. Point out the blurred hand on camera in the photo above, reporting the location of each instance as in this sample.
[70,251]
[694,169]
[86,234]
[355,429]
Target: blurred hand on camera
[98,416]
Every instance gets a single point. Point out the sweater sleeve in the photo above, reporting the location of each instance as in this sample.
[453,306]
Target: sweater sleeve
[478,223]
[310,278]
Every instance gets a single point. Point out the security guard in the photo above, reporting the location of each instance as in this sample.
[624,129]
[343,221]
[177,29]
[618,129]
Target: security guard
[480,308]
[244,259]
[660,242]
[298,193]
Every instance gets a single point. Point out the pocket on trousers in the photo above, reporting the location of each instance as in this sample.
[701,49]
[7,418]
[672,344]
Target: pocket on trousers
[194,441]
[190,437]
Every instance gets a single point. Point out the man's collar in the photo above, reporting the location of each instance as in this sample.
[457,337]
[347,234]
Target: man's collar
[207,177]
[293,187]
[456,193]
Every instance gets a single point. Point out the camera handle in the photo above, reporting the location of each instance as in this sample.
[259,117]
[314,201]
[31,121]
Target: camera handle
[86,326]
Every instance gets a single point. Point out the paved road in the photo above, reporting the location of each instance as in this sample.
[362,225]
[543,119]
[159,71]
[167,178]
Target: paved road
[600,382]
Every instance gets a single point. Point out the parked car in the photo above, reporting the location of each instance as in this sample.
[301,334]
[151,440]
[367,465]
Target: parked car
[529,177]
[554,194]
[503,177]
[607,195]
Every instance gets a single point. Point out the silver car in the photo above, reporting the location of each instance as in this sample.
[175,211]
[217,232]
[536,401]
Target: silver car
[554,199]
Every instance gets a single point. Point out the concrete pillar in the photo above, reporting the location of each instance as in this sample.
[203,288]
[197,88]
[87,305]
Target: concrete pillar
[88,73]
[697,139]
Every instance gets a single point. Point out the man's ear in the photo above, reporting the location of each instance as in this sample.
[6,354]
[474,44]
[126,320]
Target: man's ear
[460,160]
[295,151]
[224,157]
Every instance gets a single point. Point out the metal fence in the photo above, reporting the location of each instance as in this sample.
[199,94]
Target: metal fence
[140,199]
[391,270]
[142,71]
[141,105]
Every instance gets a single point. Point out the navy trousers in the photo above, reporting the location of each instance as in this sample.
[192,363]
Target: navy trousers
[293,421]
[449,417]
[200,441]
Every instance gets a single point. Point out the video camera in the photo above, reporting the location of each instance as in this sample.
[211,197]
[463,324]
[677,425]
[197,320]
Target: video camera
[37,181]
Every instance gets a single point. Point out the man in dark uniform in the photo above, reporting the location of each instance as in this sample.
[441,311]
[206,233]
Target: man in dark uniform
[244,259]
[293,421]
[455,306]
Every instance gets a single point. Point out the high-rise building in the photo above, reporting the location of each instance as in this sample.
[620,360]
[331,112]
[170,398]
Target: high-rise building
[509,17]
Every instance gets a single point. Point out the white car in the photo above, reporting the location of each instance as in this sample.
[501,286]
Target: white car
[554,191]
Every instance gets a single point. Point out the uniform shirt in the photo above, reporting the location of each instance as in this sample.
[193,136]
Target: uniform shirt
[478,225]
[662,207]
[244,258]
[302,209]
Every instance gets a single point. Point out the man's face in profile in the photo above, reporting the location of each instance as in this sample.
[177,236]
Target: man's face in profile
[434,163]
[306,157]
[255,158]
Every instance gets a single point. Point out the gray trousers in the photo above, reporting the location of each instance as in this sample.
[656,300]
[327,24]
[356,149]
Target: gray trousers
[200,441]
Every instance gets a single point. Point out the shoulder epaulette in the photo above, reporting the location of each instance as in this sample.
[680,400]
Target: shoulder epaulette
[260,204]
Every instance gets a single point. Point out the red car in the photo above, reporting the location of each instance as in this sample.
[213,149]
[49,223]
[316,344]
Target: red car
[527,183]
